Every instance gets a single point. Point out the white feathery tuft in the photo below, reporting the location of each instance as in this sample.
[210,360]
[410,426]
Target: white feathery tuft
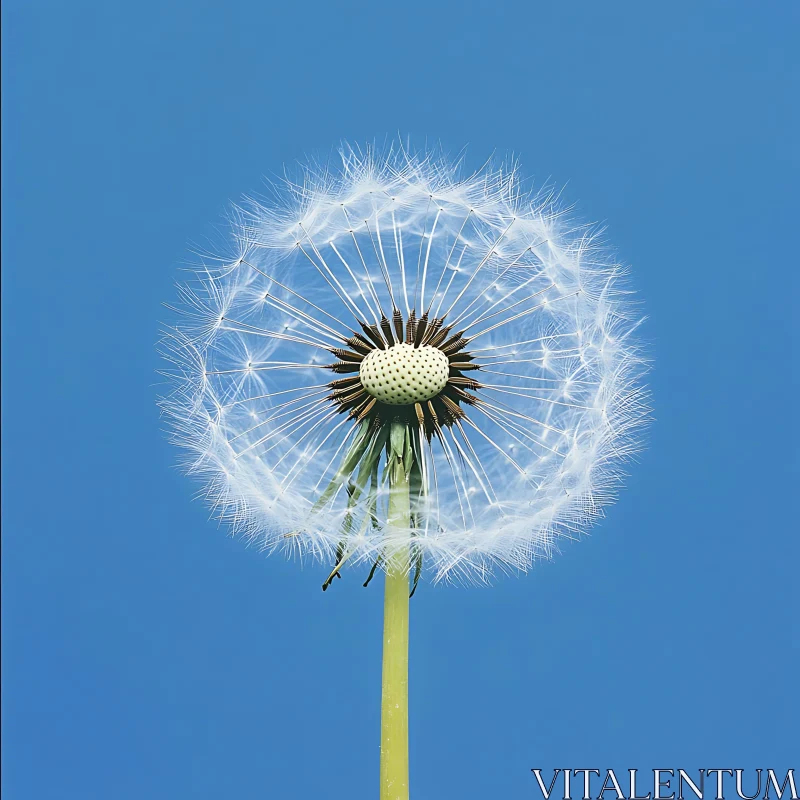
[548,318]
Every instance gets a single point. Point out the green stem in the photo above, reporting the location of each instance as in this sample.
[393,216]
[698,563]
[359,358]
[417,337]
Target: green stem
[394,700]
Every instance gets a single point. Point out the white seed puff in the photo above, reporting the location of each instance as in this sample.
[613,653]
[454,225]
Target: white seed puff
[404,374]
[551,329]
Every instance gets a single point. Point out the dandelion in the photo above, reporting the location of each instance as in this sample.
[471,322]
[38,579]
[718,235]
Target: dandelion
[406,369]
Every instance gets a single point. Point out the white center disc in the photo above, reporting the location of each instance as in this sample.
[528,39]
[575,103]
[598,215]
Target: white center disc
[404,374]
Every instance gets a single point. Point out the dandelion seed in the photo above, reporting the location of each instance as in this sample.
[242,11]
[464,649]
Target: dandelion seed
[480,380]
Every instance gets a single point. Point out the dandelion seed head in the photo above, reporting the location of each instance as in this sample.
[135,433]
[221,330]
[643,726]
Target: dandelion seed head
[398,287]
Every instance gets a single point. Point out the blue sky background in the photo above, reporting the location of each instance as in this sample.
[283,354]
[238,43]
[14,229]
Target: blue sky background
[146,654]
